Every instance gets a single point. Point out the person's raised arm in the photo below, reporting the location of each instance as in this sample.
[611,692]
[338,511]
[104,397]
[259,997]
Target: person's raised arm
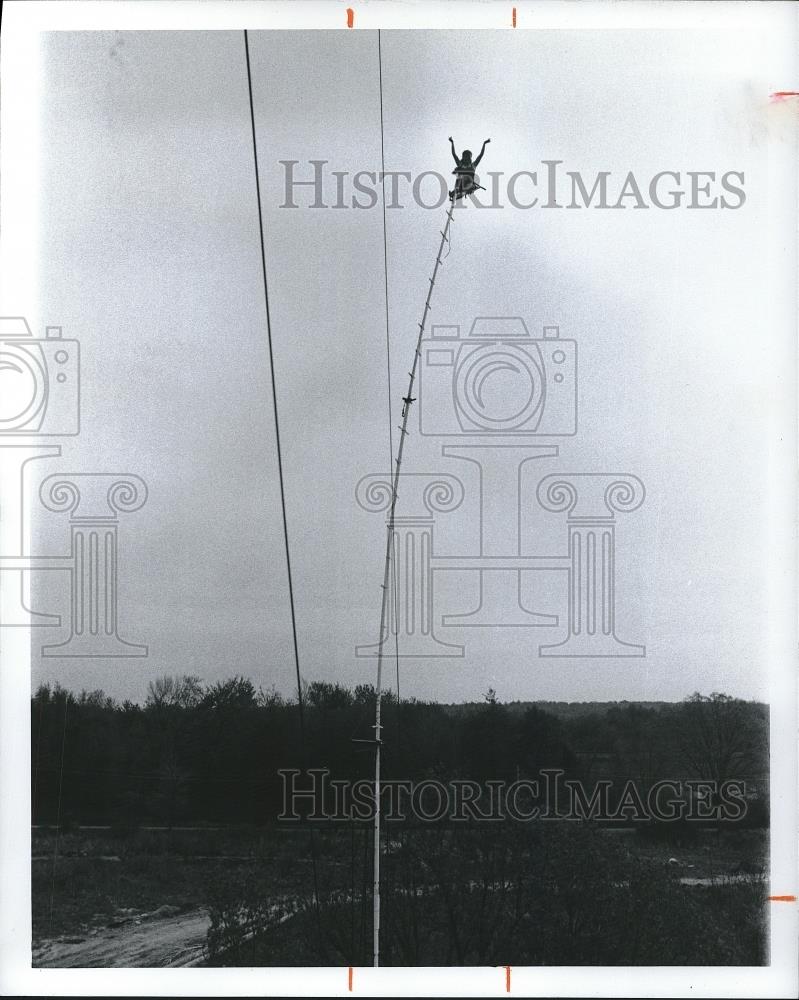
[452,147]
[485,143]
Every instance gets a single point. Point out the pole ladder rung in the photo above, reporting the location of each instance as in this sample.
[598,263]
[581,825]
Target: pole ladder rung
[402,428]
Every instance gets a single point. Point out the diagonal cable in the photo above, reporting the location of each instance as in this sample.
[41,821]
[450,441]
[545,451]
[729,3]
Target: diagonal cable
[300,703]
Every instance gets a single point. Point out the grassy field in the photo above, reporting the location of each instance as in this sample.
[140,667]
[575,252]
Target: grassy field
[487,897]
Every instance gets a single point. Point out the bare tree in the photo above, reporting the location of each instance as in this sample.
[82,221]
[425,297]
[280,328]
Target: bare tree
[720,737]
[180,691]
[169,699]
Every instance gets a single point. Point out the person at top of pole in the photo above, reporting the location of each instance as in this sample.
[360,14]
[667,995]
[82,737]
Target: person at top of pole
[464,170]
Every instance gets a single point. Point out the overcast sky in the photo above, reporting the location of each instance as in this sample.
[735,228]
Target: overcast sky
[150,256]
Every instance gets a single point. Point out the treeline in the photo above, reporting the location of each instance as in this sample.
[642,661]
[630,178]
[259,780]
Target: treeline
[197,753]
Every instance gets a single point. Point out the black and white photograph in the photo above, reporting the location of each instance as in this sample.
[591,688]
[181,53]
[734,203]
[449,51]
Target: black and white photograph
[398,417]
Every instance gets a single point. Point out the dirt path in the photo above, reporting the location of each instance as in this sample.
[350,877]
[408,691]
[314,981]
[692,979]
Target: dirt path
[172,942]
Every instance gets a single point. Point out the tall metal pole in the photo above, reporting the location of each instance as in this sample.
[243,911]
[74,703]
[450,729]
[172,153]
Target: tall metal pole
[384,603]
